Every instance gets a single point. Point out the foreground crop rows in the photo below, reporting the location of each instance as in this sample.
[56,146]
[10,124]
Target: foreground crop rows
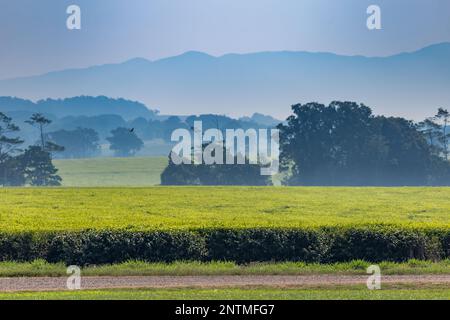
[318,245]
[186,208]
[239,224]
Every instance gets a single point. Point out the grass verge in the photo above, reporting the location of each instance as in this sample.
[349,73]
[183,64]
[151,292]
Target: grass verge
[355,293]
[139,268]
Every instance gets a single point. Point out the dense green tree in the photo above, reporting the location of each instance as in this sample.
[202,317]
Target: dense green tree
[443,116]
[13,172]
[326,145]
[9,145]
[39,121]
[432,132]
[214,174]
[344,144]
[124,142]
[78,143]
[171,124]
[38,167]
[408,158]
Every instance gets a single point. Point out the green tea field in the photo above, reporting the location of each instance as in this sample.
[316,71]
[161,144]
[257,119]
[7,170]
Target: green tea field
[218,231]
[182,208]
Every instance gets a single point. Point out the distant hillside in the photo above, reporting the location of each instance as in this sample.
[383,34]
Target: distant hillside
[79,106]
[412,85]
[104,115]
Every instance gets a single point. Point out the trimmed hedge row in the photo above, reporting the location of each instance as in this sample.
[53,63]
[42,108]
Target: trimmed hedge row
[322,245]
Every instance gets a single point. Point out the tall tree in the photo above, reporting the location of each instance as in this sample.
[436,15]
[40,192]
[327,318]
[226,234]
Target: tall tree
[9,144]
[326,145]
[432,132]
[124,142]
[14,172]
[38,167]
[444,117]
[344,144]
[39,121]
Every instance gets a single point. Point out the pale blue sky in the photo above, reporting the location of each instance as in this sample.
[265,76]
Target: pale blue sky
[34,39]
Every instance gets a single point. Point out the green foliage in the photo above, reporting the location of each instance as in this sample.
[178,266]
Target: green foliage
[8,144]
[124,142]
[38,167]
[42,268]
[78,143]
[344,144]
[242,246]
[215,174]
[10,173]
[249,245]
[260,294]
[39,121]
[101,247]
[444,117]
[378,243]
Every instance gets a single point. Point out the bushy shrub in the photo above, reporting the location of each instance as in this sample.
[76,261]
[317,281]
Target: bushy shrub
[249,245]
[101,247]
[374,243]
[384,244]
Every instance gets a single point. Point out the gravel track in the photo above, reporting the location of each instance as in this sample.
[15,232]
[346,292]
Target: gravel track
[164,282]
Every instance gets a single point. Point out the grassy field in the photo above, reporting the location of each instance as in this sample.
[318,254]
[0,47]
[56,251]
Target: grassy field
[182,208]
[352,293]
[111,171]
[40,268]
[164,208]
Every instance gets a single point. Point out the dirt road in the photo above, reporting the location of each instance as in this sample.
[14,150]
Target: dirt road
[51,284]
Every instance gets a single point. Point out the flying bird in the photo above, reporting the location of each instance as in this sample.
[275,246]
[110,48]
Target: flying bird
[132,130]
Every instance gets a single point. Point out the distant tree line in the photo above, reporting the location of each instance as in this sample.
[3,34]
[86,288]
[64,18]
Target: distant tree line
[127,138]
[103,115]
[78,143]
[214,174]
[33,165]
[85,142]
[340,144]
[343,144]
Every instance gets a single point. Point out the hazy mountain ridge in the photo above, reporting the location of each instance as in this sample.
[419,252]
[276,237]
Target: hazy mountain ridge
[408,84]
[103,115]
[79,106]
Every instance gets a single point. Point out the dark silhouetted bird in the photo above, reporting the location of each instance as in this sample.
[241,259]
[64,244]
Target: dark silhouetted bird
[132,130]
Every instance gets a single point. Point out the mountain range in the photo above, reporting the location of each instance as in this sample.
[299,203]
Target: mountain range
[78,106]
[412,85]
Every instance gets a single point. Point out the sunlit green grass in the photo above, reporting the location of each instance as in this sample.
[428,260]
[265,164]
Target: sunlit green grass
[356,293]
[138,268]
[100,172]
[162,208]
